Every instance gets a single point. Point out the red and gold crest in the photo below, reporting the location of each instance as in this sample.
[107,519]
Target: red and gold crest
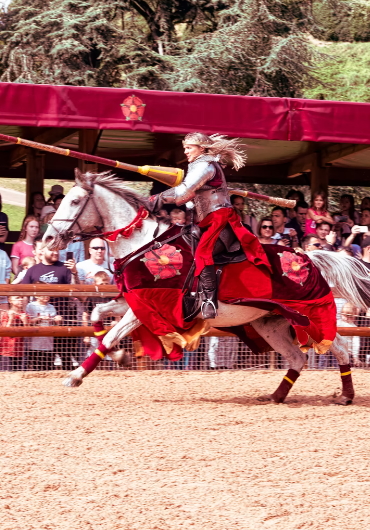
[133,108]
[164,262]
[294,267]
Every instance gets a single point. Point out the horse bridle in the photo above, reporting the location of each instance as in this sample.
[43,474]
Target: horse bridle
[83,236]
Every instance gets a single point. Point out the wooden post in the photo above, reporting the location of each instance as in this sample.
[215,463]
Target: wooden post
[86,144]
[319,176]
[34,173]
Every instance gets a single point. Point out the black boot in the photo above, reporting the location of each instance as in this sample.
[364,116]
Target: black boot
[208,282]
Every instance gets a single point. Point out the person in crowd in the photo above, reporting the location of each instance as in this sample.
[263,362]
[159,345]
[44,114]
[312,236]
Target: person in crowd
[358,232]
[310,242]
[325,235]
[318,212]
[36,204]
[53,271]
[347,216]
[177,217]
[56,190]
[25,245]
[365,204]
[346,251]
[27,262]
[12,348]
[58,199]
[348,316]
[163,214]
[5,270]
[365,252]
[42,313]
[287,236]
[294,195]
[97,262]
[298,222]
[100,278]
[249,221]
[77,247]
[47,213]
[4,226]
[265,231]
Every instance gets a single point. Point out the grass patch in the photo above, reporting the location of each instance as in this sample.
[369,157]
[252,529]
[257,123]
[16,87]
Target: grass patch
[16,215]
[20,185]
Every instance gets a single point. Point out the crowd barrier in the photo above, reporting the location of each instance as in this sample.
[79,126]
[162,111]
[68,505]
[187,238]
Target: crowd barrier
[57,335]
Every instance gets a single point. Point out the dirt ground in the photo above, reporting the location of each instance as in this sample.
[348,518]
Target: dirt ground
[176,450]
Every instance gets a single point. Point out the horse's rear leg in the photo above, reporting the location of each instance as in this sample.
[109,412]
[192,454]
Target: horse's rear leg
[340,350]
[276,331]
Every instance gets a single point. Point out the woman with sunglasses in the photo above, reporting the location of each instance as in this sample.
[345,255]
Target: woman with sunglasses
[265,231]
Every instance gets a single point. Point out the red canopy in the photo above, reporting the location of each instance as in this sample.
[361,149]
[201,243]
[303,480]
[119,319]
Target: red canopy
[175,112]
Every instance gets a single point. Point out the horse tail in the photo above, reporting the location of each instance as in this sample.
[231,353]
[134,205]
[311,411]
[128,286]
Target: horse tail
[348,277]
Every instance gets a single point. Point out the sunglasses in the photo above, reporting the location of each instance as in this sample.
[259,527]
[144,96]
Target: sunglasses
[317,245]
[98,248]
[267,227]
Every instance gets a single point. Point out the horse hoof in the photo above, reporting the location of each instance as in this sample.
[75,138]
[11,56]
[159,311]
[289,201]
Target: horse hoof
[266,399]
[343,401]
[75,378]
[72,382]
[121,357]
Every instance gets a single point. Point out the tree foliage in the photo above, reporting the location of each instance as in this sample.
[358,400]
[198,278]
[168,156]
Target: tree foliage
[247,47]
[256,47]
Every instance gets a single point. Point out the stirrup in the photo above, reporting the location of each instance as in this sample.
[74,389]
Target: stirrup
[208,305]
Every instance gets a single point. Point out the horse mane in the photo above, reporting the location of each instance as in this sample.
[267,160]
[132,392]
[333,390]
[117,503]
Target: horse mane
[111,182]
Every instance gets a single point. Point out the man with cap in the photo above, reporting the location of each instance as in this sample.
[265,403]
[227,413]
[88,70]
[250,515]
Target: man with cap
[46,215]
[56,190]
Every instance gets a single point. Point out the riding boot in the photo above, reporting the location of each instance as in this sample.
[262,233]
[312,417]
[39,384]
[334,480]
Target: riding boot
[208,281]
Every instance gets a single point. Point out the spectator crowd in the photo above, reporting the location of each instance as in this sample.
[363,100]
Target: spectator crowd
[306,226]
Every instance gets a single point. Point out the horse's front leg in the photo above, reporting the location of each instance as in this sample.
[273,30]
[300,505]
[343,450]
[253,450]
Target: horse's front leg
[127,324]
[276,332]
[340,350]
[114,307]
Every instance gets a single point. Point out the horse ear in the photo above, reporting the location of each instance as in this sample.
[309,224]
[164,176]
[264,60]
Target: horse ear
[79,177]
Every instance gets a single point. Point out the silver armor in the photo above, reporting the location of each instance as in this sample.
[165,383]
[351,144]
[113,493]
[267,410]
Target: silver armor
[194,188]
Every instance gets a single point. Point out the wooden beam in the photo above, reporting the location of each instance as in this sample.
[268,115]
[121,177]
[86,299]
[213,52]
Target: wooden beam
[319,176]
[51,137]
[34,174]
[334,152]
[86,143]
[303,164]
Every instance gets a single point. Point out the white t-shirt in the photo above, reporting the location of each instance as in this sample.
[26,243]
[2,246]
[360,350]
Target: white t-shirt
[33,310]
[86,270]
[5,270]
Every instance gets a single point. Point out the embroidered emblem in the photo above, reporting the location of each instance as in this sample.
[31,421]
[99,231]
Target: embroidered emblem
[294,267]
[164,262]
[133,108]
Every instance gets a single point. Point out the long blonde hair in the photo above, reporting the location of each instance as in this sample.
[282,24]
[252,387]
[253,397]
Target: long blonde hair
[218,145]
[26,221]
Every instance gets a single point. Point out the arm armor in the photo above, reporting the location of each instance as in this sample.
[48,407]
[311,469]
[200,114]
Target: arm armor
[197,177]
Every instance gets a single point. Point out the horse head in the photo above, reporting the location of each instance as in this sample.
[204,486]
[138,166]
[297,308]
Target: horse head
[77,213]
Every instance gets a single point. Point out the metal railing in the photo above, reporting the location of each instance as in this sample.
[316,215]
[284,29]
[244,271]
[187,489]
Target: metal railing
[60,337]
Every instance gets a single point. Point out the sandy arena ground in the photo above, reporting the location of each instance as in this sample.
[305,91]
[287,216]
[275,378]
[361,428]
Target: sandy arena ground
[177,450]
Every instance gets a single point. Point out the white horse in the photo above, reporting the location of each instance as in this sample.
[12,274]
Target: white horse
[103,200]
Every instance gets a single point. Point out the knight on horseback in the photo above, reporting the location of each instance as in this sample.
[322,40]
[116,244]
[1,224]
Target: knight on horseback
[205,188]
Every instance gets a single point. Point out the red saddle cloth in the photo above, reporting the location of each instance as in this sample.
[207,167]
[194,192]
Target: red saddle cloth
[152,285]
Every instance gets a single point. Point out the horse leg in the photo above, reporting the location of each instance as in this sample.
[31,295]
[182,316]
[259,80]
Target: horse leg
[127,324]
[340,351]
[276,332]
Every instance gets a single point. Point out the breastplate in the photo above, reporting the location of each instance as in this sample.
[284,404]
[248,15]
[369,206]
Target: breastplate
[209,200]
